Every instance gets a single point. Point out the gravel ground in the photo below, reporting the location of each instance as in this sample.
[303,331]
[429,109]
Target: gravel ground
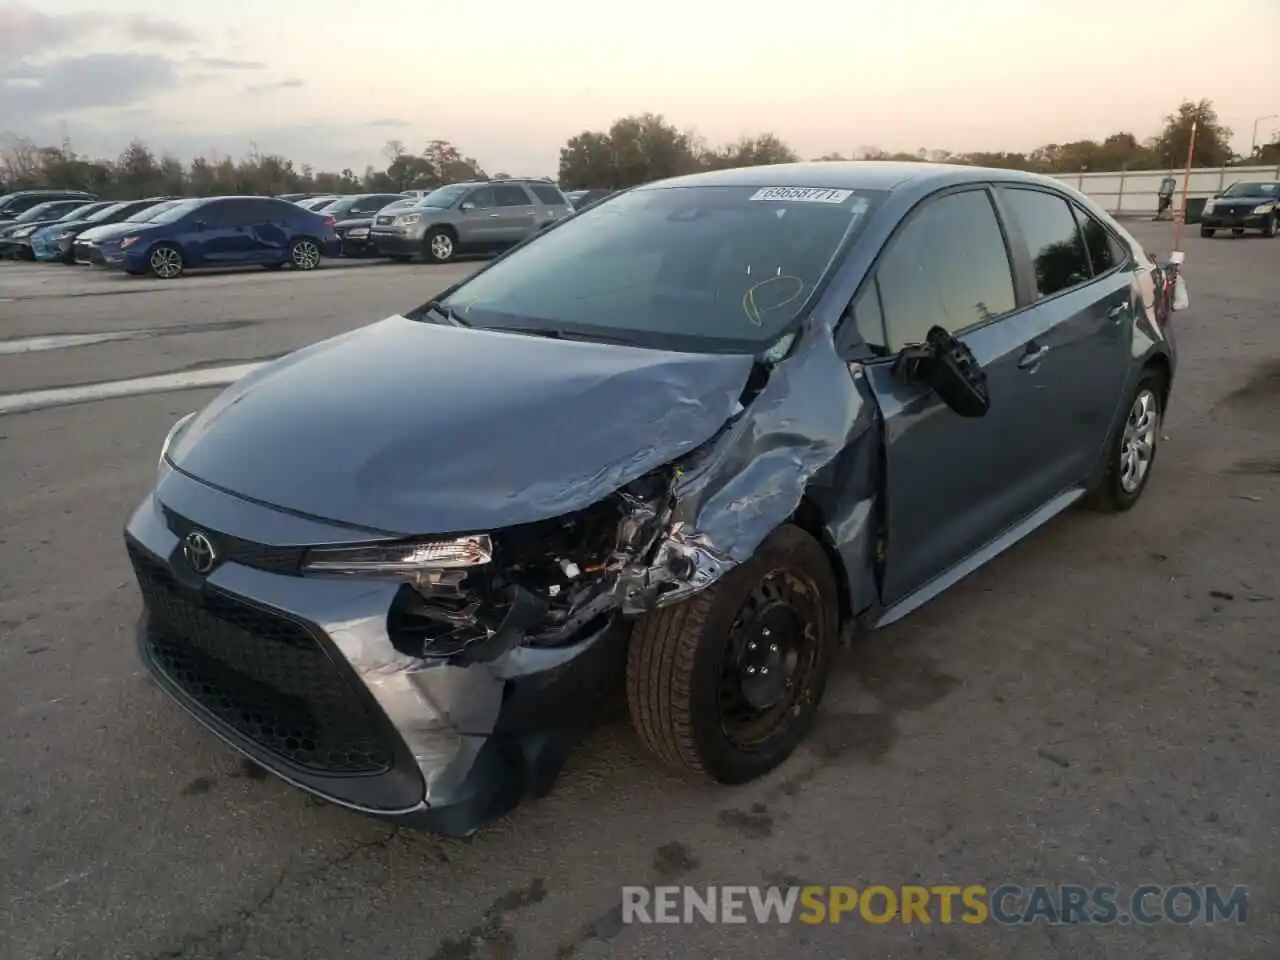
[1096,706]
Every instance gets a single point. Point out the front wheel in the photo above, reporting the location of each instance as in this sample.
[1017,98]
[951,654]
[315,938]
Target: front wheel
[1273,226]
[304,254]
[439,245]
[726,684]
[1132,452]
[166,262]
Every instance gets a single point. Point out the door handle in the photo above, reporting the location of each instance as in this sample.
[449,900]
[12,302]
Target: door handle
[1032,357]
[495,216]
[1116,313]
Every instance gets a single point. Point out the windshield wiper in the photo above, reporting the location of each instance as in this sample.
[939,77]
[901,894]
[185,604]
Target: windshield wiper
[444,311]
[556,333]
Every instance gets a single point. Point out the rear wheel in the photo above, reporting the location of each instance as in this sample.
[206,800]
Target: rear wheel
[1207,231]
[166,261]
[1133,449]
[726,684]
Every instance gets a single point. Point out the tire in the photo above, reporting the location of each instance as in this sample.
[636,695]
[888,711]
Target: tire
[398,258]
[440,245]
[1207,231]
[304,254]
[1116,490]
[1273,226]
[680,656]
[165,262]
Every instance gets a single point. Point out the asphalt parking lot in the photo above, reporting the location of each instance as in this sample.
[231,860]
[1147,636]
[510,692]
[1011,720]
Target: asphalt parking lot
[1098,706]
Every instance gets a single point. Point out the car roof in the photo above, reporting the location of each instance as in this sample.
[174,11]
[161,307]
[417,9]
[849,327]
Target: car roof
[849,175]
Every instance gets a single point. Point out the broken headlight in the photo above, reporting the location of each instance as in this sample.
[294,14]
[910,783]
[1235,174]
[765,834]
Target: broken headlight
[419,562]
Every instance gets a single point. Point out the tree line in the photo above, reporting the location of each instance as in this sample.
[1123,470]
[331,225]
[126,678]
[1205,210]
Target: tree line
[633,150]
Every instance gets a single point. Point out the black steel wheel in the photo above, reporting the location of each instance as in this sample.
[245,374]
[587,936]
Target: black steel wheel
[726,684]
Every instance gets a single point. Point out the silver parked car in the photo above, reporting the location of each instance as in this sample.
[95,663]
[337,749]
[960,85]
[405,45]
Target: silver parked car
[473,217]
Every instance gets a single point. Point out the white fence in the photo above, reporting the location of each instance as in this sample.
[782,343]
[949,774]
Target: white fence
[1134,192]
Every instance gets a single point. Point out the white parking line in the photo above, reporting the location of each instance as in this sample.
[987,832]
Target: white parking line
[61,341]
[161,383]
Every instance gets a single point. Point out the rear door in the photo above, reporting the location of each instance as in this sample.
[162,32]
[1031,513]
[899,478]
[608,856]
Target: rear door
[516,216]
[1075,269]
[953,484]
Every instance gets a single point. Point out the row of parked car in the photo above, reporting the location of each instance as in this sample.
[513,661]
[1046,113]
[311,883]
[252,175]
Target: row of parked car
[165,236]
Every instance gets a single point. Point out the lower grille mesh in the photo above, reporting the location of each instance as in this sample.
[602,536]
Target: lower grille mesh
[261,674]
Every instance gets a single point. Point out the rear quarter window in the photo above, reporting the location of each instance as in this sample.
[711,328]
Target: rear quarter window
[548,194]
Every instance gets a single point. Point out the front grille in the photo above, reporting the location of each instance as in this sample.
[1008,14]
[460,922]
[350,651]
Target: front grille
[261,674]
[260,556]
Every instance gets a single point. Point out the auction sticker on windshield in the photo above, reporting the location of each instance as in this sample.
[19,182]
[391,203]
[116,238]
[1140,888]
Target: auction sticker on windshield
[802,194]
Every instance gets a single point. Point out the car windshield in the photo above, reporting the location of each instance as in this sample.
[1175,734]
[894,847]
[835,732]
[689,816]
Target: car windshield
[175,212]
[76,212]
[105,212]
[446,196]
[708,268]
[1253,190]
[148,214]
[41,211]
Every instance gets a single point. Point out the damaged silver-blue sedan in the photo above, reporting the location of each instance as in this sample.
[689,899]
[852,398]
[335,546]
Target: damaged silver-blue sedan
[685,437]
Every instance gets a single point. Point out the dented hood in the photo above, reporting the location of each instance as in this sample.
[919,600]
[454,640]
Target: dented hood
[411,428]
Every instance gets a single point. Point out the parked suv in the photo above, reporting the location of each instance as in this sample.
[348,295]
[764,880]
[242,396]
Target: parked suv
[223,232]
[12,204]
[480,215]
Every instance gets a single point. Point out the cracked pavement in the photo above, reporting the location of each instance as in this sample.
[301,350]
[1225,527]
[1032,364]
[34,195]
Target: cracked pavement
[1096,706]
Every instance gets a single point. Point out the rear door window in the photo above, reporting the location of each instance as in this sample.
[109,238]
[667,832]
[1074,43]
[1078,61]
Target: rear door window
[1105,250]
[947,267]
[1054,240]
[511,195]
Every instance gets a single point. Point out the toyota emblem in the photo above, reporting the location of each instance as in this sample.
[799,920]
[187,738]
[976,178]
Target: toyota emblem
[198,552]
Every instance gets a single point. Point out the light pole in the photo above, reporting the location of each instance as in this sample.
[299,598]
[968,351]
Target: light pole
[1254,145]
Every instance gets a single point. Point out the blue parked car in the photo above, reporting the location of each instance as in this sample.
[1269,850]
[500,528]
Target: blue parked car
[223,232]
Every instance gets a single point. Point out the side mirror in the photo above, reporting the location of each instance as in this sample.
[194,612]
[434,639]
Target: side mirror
[467,206]
[1217,195]
[948,367]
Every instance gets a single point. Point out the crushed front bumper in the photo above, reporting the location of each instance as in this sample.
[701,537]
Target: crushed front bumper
[300,674]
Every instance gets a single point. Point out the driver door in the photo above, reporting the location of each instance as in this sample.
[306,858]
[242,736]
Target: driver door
[953,483]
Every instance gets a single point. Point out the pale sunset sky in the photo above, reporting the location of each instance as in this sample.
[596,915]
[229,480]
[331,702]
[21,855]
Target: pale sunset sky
[328,82]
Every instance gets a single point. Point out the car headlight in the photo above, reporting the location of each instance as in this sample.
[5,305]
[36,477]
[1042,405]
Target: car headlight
[128,242]
[407,219]
[1208,207]
[403,561]
[171,436]
[1264,208]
